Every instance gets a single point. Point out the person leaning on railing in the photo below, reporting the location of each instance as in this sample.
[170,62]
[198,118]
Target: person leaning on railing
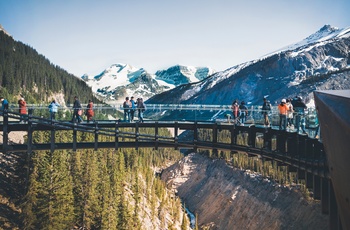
[22,107]
[300,107]
[141,107]
[283,110]
[53,108]
[4,104]
[266,108]
[89,111]
[77,111]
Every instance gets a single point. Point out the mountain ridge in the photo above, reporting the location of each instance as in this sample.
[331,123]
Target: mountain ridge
[120,80]
[277,75]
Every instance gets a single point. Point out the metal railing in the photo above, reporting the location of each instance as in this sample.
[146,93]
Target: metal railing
[180,112]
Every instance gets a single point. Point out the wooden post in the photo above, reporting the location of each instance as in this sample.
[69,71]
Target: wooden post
[195,136]
[325,195]
[96,136]
[309,180]
[333,209]
[5,135]
[52,141]
[317,187]
[215,138]
[156,135]
[176,133]
[268,139]
[30,133]
[137,134]
[233,138]
[75,137]
[29,145]
[116,135]
[252,136]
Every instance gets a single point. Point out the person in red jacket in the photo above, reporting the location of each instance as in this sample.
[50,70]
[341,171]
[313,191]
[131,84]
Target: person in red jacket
[235,110]
[89,111]
[22,109]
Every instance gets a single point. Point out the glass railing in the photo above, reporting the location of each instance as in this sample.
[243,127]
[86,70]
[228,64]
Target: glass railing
[177,112]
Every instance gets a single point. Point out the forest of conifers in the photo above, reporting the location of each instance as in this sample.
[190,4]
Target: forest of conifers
[24,71]
[104,189]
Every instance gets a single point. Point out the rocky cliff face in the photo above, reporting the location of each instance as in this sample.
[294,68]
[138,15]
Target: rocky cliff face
[227,198]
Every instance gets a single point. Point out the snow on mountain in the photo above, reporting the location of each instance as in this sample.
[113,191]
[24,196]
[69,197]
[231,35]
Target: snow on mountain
[2,29]
[121,80]
[325,34]
[178,74]
[321,61]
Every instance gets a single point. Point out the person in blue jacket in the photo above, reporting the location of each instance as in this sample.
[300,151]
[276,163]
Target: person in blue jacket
[133,108]
[5,104]
[53,108]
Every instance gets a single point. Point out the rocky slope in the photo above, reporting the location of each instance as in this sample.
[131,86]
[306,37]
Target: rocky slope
[227,198]
[12,184]
[320,61]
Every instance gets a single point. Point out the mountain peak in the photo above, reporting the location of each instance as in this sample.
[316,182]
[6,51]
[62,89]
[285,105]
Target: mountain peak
[328,28]
[2,29]
[325,33]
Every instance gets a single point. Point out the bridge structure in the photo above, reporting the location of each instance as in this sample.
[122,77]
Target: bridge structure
[299,153]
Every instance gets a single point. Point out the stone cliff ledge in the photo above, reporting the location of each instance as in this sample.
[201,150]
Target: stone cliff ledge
[228,198]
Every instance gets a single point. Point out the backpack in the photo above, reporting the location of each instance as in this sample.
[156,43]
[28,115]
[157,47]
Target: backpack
[267,106]
[126,105]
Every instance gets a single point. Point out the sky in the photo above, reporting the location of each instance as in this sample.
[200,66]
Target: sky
[88,36]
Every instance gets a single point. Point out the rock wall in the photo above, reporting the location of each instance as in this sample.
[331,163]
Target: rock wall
[228,198]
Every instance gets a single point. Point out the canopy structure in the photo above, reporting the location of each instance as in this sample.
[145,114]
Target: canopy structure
[333,108]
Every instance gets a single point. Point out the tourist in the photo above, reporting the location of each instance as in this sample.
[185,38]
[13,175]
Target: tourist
[89,111]
[235,110]
[53,109]
[243,113]
[290,114]
[127,106]
[283,110]
[77,112]
[266,108]
[133,108]
[22,105]
[141,107]
[4,103]
[300,107]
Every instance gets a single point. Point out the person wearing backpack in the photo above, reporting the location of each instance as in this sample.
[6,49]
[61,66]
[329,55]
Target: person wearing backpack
[127,106]
[141,107]
[300,107]
[77,111]
[243,113]
[266,108]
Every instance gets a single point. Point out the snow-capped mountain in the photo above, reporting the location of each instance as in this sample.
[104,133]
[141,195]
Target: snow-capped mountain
[178,75]
[321,61]
[121,80]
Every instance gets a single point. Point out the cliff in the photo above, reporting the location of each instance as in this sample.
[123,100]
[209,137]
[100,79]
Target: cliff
[228,198]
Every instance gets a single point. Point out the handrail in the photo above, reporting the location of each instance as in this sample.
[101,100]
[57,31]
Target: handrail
[284,151]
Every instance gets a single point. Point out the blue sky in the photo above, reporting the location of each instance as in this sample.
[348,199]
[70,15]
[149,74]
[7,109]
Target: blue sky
[84,36]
